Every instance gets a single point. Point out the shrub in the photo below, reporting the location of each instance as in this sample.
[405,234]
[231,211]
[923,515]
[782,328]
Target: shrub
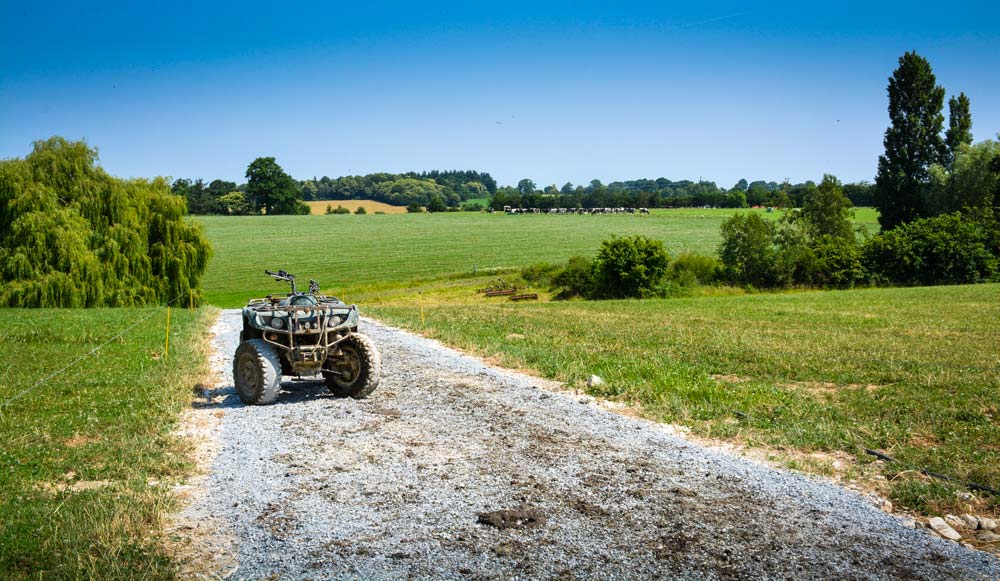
[629,267]
[838,262]
[540,274]
[575,280]
[437,204]
[414,208]
[361,210]
[946,249]
[748,251]
[697,268]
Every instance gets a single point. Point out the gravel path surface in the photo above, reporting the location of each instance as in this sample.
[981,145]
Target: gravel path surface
[319,487]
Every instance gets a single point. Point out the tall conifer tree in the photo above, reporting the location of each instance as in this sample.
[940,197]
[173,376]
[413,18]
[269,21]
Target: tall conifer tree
[912,142]
[959,125]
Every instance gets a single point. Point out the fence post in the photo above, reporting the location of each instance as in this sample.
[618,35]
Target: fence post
[166,346]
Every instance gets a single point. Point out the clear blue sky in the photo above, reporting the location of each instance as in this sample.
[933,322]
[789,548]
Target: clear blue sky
[566,91]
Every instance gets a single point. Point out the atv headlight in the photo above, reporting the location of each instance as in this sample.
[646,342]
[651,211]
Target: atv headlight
[278,323]
[333,321]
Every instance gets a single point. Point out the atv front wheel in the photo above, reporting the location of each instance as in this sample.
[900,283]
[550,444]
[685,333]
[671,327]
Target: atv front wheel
[357,371]
[256,372]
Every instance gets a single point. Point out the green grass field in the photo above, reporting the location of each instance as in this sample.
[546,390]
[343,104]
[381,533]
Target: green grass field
[81,450]
[359,256]
[915,372]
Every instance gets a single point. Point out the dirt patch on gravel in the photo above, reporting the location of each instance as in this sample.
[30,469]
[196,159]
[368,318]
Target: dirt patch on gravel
[516,518]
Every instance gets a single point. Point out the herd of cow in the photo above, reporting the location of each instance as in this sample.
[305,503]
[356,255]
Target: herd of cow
[514,211]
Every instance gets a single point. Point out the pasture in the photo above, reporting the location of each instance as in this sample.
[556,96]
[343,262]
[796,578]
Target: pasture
[87,454]
[361,256]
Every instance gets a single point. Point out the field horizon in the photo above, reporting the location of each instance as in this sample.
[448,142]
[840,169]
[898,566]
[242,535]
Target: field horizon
[362,255]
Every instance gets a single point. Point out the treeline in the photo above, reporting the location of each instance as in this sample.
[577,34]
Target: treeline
[73,236]
[407,189]
[436,188]
[938,196]
[663,193]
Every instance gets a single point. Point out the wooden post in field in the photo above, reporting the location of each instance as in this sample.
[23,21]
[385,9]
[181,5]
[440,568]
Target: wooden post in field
[166,344]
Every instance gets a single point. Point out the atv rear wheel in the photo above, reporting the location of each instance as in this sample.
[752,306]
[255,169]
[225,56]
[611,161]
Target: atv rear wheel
[355,373]
[256,372]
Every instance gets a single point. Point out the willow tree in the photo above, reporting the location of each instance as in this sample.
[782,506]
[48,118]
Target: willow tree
[73,236]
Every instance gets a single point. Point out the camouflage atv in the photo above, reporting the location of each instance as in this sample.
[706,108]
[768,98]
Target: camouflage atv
[302,333]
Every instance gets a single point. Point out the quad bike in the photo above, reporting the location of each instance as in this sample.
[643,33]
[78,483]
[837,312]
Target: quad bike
[302,333]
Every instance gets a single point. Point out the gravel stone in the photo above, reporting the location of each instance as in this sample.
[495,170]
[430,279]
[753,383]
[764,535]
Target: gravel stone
[941,527]
[389,487]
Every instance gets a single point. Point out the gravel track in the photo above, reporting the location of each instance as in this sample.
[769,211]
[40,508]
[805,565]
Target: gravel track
[321,487]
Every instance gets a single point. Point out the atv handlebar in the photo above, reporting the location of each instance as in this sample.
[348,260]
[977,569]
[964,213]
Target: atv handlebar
[282,275]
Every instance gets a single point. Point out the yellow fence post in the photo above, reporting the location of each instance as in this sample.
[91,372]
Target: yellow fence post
[166,345]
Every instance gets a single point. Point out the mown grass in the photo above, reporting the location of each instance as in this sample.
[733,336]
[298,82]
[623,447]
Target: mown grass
[364,255]
[83,451]
[915,371]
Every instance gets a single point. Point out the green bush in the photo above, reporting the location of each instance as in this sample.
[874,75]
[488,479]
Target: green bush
[691,267]
[437,204]
[629,267]
[748,251]
[338,210]
[838,262]
[946,249]
[414,208]
[540,274]
[361,211]
[575,280]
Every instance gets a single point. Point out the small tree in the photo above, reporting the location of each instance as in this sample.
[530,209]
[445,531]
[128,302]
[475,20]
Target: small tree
[437,204]
[748,251]
[959,126]
[629,267]
[526,186]
[361,211]
[826,211]
[235,203]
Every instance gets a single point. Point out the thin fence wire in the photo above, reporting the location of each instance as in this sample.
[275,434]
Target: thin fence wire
[90,353]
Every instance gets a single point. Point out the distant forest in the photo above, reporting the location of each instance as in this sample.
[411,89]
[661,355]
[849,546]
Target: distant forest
[663,193]
[412,188]
[453,189]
